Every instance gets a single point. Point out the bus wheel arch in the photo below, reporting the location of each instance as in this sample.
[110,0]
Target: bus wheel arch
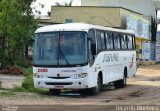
[125,72]
[99,81]
[95,90]
[122,82]
[100,74]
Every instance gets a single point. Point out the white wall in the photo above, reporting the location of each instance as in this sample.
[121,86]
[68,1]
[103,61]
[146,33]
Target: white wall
[145,7]
[76,3]
[93,2]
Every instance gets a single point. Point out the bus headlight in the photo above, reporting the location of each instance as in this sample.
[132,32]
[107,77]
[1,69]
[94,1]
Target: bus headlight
[82,75]
[35,75]
[77,76]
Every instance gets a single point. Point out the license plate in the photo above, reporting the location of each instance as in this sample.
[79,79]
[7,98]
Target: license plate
[59,87]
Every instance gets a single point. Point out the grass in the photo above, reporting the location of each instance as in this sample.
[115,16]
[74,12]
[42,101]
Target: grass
[147,62]
[28,85]
[30,90]
[6,93]
[18,89]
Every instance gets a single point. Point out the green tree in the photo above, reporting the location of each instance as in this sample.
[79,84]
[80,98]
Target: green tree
[16,26]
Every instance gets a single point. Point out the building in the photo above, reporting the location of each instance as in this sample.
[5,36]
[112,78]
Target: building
[105,16]
[117,17]
[42,20]
[125,14]
[145,7]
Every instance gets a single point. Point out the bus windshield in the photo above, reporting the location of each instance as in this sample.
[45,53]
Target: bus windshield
[60,48]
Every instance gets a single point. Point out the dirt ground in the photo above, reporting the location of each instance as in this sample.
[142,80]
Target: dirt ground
[9,81]
[144,89]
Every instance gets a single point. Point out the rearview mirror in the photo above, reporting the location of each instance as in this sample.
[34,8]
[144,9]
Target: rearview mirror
[29,49]
[93,48]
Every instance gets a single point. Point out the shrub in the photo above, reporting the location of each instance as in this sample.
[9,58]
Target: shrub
[28,81]
[28,85]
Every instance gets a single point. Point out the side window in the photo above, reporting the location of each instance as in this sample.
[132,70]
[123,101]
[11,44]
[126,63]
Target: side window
[109,40]
[99,41]
[103,40]
[130,43]
[123,41]
[117,41]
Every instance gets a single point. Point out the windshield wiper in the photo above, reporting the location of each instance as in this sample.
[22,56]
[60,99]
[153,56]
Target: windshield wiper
[66,60]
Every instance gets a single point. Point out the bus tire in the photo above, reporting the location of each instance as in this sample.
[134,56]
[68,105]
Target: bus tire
[121,83]
[96,90]
[55,91]
[84,92]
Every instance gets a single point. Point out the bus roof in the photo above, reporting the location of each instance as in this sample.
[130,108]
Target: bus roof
[78,27]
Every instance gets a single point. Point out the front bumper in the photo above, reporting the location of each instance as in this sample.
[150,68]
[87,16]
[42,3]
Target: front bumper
[69,83]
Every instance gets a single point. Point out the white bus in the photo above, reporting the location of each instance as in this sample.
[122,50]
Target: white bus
[82,56]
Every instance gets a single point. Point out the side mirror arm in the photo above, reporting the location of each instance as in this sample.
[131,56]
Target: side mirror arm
[93,47]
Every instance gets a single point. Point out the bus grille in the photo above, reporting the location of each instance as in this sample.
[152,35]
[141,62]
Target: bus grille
[58,77]
[59,83]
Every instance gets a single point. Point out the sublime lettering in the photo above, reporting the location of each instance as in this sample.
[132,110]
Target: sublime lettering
[111,57]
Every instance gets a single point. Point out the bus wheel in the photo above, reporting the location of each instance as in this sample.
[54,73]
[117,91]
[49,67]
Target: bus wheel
[121,83]
[55,91]
[84,92]
[96,90]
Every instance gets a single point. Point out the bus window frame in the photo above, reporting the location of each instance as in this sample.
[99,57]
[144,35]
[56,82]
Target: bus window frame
[103,44]
[133,46]
[112,35]
[125,40]
[109,34]
[115,35]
